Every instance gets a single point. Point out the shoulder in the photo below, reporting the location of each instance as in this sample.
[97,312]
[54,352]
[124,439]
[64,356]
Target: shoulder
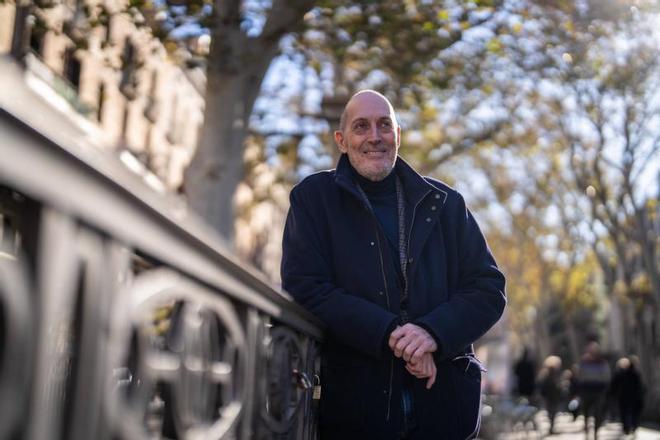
[442,186]
[452,197]
[318,180]
[313,185]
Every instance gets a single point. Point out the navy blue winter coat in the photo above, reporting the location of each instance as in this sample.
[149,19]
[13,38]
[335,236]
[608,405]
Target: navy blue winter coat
[337,263]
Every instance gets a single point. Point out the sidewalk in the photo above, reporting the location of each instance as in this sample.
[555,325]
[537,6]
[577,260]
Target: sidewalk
[568,429]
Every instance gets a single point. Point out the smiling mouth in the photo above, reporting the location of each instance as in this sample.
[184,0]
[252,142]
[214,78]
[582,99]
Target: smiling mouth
[375,153]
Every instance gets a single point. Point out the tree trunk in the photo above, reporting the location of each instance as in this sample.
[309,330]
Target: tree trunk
[236,67]
[647,241]
[616,326]
[217,166]
[573,341]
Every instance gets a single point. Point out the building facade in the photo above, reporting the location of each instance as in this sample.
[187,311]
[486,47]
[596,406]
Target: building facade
[92,62]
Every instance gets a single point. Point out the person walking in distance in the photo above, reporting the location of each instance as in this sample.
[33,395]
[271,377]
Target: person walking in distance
[396,267]
[525,373]
[628,390]
[592,382]
[549,384]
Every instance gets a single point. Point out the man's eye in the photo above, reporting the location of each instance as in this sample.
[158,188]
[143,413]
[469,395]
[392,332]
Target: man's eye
[387,125]
[361,126]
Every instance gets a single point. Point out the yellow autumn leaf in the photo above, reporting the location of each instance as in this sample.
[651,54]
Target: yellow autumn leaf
[494,45]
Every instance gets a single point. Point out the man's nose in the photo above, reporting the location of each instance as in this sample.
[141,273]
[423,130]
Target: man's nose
[374,133]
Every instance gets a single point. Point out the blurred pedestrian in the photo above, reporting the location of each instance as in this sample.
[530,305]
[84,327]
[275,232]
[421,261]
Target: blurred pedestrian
[592,381]
[525,372]
[569,388]
[628,390]
[549,384]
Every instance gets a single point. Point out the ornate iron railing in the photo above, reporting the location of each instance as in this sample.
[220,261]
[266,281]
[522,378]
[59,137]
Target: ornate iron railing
[122,318]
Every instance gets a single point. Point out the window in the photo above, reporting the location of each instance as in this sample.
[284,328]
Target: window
[108,31]
[38,32]
[124,122]
[100,102]
[72,68]
[129,66]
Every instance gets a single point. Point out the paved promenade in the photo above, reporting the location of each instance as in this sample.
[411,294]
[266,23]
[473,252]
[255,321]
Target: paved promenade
[568,429]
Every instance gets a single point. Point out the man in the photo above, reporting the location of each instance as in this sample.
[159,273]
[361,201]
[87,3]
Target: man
[396,267]
[525,372]
[628,390]
[550,387]
[593,379]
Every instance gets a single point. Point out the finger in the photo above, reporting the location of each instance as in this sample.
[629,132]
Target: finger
[398,347]
[431,378]
[431,381]
[403,341]
[398,332]
[429,366]
[412,370]
[410,349]
[427,344]
[420,370]
[422,340]
[418,355]
[418,374]
[401,346]
[394,337]
[414,329]
[426,366]
[430,345]
[392,342]
[423,335]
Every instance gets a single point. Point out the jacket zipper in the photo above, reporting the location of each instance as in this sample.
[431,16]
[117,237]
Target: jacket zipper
[382,271]
[387,295]
[387,298]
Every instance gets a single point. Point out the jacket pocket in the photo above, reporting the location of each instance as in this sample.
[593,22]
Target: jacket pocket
[466,374]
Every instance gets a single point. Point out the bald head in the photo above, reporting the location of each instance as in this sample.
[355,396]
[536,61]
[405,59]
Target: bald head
[366,94]
[369,135]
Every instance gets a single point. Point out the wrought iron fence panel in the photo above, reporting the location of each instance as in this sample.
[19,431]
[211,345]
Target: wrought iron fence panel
[122,318]
[16,340]
[180,359]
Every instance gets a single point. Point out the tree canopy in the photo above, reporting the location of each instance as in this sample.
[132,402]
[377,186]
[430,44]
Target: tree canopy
[543,112]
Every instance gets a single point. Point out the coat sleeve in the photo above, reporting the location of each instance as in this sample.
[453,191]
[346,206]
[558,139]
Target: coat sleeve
[307,275]
[478,301]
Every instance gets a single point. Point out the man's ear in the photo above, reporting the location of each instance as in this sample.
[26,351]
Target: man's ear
[339,140]
[398,135]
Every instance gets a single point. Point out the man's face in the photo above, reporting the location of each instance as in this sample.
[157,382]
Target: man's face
[370,137]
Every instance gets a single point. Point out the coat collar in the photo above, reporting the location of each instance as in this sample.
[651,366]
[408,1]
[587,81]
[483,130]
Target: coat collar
[415,186]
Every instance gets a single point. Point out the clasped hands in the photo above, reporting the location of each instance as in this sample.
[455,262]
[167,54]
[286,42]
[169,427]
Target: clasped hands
[416,346]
